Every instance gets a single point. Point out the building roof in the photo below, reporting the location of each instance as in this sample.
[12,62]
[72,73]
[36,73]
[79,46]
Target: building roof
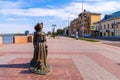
[89,13]
[95,13]
[111,16]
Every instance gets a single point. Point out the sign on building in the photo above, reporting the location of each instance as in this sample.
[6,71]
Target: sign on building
[92,27]
[117,33]
[82,27]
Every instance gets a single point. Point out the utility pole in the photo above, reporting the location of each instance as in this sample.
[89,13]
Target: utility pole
[82,27]
[69,27]
[82,21]
[53,33]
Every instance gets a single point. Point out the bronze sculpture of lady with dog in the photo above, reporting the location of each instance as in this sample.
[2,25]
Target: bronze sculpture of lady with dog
[38,64]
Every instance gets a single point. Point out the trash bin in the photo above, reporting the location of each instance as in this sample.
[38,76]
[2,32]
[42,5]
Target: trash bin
[30,38]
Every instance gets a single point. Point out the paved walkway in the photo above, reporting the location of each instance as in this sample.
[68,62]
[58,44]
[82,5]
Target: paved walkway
[70,59]
[112,43]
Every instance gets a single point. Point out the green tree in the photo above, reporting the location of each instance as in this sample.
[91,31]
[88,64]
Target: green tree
[49,33]
[59,32]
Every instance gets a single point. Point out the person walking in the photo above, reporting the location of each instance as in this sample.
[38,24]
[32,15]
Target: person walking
[76,35]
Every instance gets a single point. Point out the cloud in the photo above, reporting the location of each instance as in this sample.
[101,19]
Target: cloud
[15,28]
[103,7]
[10,5]
[36,12]
[11,19]
[72,10]
[95,6]
[65,13]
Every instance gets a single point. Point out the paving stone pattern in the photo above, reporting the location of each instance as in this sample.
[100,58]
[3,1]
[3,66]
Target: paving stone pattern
[70,59]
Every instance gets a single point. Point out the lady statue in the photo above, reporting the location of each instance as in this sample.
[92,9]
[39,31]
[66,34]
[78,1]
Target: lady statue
[38,63]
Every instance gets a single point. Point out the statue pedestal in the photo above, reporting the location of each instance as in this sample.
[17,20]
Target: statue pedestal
[43,71]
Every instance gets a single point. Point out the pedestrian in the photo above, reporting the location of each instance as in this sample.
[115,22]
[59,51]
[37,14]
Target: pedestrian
[76,35]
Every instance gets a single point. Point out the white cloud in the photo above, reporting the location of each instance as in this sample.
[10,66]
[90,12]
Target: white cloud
[74,8]
[37,12]
[10,5]
[15,28]
[11,19]
[98,6]
[67,12]
[103,7]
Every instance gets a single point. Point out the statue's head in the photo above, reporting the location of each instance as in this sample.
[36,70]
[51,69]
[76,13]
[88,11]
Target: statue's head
[39,26]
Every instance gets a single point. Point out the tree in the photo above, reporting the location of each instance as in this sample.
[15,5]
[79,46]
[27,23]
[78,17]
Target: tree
[59,32]
[49,33]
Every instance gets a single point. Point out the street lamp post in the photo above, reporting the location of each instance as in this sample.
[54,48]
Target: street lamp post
[53,33]
[69,27]
[82,20]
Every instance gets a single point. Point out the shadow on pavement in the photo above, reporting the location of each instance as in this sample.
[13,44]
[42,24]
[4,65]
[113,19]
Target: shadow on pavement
[20,66]
[24,65]
[25,72]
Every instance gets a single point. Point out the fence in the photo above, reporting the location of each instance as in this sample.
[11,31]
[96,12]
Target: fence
[15,39]
[7,39]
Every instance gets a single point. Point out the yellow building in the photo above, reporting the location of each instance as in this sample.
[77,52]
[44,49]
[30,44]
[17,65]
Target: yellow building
[84,23]
[109,26]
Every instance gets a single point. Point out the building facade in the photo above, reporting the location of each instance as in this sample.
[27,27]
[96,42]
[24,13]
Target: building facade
[109,26]
[84,23]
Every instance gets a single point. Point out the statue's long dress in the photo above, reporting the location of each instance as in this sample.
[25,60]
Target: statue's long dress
[40,53]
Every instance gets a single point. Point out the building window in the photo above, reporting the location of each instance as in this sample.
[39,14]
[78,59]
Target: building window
[108,26]
[112,33]
[116,24]
[112,25]
[104,34]
[104,26]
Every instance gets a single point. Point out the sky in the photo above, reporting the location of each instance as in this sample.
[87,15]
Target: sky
[21,15]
